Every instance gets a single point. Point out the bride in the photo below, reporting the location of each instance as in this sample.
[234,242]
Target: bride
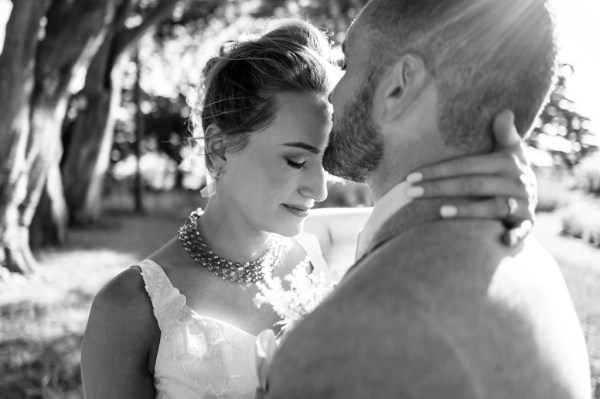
[182,323]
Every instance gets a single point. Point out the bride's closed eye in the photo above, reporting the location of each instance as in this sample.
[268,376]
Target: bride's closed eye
[295,165]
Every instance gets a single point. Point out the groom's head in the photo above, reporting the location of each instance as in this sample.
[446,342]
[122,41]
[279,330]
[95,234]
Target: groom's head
[425,78]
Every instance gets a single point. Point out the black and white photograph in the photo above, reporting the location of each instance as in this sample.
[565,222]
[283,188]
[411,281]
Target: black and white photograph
[291,199]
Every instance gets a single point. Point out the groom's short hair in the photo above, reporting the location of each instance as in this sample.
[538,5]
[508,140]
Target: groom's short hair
[485,55]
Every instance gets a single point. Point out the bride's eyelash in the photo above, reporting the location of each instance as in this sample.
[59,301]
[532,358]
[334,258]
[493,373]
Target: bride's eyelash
[296,165]
[344,66]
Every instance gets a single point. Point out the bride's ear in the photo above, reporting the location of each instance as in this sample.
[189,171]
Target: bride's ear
[215,150]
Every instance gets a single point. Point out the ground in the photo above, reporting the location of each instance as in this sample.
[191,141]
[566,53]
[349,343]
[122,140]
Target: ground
[43,318]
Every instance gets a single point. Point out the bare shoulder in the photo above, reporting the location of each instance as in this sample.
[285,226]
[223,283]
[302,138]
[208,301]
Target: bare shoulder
[123,298]
[120,340]
[122,315]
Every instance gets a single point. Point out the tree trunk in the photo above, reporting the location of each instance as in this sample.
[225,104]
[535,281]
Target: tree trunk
[83,26]
[34,80]
[48,227]
[138,188]
[17,63]
[88,154]
[87,159]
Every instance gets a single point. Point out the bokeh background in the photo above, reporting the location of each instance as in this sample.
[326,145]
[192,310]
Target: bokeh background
[95,99]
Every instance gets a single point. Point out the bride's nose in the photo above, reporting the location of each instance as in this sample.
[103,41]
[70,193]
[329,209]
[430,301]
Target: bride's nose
[315,185]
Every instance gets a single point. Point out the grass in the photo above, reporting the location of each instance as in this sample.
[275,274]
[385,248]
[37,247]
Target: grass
[582,220]
[43,318]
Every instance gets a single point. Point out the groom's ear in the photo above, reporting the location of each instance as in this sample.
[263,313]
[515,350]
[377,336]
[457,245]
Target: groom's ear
[399,88]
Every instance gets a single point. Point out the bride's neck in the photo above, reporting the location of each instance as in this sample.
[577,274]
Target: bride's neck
[230,234]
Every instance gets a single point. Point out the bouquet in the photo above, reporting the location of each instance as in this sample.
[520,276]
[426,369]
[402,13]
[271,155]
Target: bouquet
[305,293]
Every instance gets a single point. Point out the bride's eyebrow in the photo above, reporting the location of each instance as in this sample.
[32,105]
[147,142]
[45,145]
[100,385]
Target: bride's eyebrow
[304,146]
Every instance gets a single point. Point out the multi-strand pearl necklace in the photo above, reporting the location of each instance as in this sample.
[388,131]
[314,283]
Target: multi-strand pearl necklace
[237,272]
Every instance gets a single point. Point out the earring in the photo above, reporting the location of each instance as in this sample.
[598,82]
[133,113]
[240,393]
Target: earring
[211,188]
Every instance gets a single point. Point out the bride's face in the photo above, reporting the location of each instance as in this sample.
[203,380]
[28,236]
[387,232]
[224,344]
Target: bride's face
[278,176]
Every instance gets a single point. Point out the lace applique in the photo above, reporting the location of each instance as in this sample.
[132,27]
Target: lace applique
[198,357]
[168,303]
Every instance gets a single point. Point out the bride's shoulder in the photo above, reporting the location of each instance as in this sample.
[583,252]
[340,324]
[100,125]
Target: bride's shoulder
[121,329]
[124,300]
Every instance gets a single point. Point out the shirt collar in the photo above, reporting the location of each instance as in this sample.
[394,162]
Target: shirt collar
[389,204]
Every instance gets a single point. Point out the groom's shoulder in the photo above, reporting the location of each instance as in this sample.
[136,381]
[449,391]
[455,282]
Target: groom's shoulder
[487,306]
[442,244]
[461,242]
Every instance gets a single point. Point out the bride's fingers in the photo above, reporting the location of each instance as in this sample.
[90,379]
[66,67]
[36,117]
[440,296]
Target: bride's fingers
[508,158]
[513,211]
[515,235]
[501,163]
[473,186]
[506,136]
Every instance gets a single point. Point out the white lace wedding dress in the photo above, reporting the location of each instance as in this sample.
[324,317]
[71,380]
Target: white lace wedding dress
[200,357]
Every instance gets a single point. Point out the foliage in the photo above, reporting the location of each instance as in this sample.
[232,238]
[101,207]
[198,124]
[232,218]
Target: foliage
[554,191]
[560,130]
[583,221]
[587,174]
[171,64]
[333,16]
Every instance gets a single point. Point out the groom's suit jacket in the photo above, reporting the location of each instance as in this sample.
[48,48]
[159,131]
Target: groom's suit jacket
[439,309]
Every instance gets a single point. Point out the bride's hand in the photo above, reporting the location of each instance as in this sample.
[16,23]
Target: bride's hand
[503,180]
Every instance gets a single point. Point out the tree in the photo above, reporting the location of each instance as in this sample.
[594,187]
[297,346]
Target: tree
[561,131]
[87,157]
[45,42]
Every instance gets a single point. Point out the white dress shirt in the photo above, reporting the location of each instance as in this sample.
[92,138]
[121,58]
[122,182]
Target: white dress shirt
[387,205]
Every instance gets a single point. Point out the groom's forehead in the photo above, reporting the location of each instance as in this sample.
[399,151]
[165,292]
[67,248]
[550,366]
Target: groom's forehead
[353,33]
[356,40]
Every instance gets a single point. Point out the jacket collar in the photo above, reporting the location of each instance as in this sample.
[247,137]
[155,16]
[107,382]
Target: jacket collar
[410,216]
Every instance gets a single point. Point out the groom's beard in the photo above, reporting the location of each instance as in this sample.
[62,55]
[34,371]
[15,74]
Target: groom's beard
[355,146]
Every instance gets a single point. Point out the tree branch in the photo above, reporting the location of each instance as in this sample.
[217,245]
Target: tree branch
[152,17]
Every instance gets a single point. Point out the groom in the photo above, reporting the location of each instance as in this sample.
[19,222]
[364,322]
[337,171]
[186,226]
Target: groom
[436,308]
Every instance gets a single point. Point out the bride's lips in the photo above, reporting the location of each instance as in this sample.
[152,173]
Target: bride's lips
[297,210]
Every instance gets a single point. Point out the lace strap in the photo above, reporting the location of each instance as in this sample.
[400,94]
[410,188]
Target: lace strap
[310,244]
[168,303]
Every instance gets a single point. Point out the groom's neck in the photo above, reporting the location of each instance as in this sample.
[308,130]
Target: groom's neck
[386,177]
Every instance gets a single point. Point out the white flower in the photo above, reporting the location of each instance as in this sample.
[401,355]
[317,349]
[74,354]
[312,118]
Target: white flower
[305,293]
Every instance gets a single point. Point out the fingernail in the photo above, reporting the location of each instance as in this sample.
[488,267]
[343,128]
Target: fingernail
[415,191]
[414,177]
[448,211]
[509,238]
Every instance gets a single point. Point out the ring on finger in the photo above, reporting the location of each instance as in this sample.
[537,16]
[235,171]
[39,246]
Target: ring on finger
[512,206]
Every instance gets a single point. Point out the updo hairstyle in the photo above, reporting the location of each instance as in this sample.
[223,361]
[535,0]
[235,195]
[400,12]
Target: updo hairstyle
[240,83]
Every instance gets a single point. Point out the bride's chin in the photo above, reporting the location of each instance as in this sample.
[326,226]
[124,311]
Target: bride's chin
[289,229]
